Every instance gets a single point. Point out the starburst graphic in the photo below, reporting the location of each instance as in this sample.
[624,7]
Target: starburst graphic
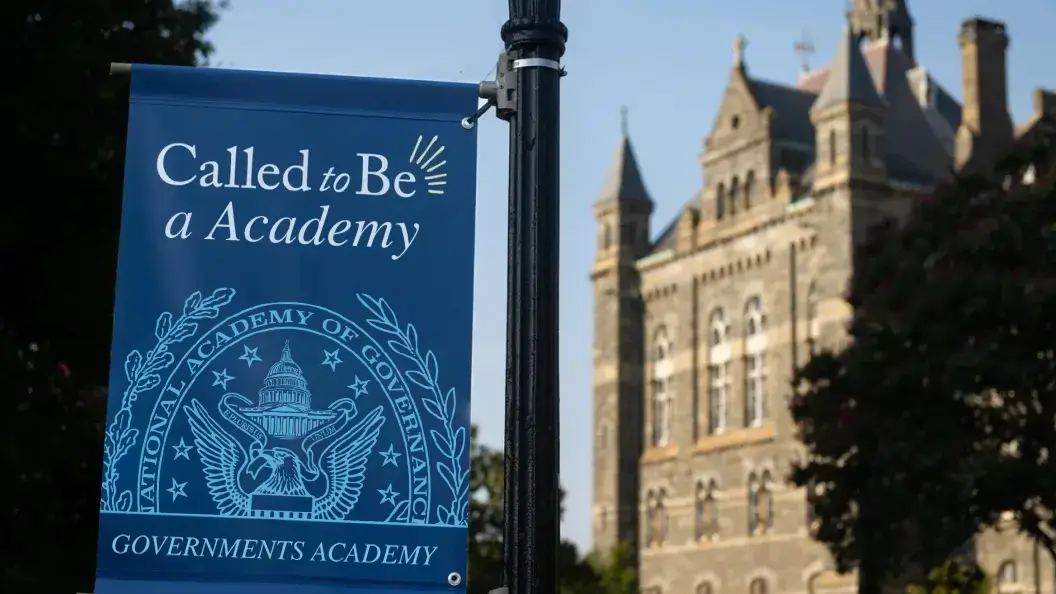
[435,176]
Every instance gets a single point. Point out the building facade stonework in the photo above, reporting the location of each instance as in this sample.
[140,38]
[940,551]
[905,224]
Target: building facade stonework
[698,328]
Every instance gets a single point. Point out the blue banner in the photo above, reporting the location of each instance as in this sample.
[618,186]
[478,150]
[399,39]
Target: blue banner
[289,392]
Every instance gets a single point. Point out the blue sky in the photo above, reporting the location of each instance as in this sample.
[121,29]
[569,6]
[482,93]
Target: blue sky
[666,60]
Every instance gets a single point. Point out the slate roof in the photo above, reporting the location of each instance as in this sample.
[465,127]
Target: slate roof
[624,179]
[791,109]
[918,150]
[921,119]
[850,79]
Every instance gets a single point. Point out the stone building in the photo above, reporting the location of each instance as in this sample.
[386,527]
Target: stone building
[698,327]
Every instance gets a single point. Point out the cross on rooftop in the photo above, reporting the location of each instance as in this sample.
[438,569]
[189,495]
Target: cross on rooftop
[739,43]
[805,48]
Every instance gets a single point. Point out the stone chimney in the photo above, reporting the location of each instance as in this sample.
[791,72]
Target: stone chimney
[986,131]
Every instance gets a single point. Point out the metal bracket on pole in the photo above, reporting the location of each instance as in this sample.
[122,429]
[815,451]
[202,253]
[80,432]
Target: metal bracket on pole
[502,92]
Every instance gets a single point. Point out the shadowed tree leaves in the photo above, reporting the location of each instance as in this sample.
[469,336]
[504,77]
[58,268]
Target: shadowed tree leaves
[612,574]
[66,122]
[939,415]
[485,517]
[50,427]
[953,577]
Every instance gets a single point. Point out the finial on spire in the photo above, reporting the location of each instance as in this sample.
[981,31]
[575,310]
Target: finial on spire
[286,355]
[739,43]
[623,121]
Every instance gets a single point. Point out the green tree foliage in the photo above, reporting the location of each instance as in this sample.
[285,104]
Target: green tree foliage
[66,122]
[953,577]
[938,416]
[485,517]
[612,574]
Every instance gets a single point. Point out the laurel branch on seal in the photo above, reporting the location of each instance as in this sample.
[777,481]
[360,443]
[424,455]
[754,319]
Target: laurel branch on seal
[451,442]
[144,374]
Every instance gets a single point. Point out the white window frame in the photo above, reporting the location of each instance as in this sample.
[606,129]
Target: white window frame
[662,388]
[718,372]
[754,363]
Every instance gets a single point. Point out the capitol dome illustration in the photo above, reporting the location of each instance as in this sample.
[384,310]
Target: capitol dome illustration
[284,406]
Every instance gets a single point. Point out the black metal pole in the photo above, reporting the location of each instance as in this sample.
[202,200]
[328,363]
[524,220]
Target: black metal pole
[535,41]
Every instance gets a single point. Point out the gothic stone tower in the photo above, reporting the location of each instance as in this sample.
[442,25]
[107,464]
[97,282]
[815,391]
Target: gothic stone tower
[884,19]
[622,212]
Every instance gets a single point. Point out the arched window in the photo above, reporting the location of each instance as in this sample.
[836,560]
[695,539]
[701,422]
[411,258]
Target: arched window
[813,326]
[749,185]
[663,372]
[720,202]
[753,502]
[707,510]
[650,519]
[606,237]
[705,588]
[661,517]
[1007,576]
[866,147]
[734,195]
[765,520]
[699,509]
[1030,175]
[758,586]
[718,371]
[754,363]
[832,147]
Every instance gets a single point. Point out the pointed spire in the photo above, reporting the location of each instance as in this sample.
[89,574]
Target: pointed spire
[624,179]
[849,78]
[286,354]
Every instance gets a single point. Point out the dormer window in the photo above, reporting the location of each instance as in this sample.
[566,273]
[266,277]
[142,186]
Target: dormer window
[720,202]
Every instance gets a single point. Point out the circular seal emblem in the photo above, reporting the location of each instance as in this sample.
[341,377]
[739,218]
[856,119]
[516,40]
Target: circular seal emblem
[292,411]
